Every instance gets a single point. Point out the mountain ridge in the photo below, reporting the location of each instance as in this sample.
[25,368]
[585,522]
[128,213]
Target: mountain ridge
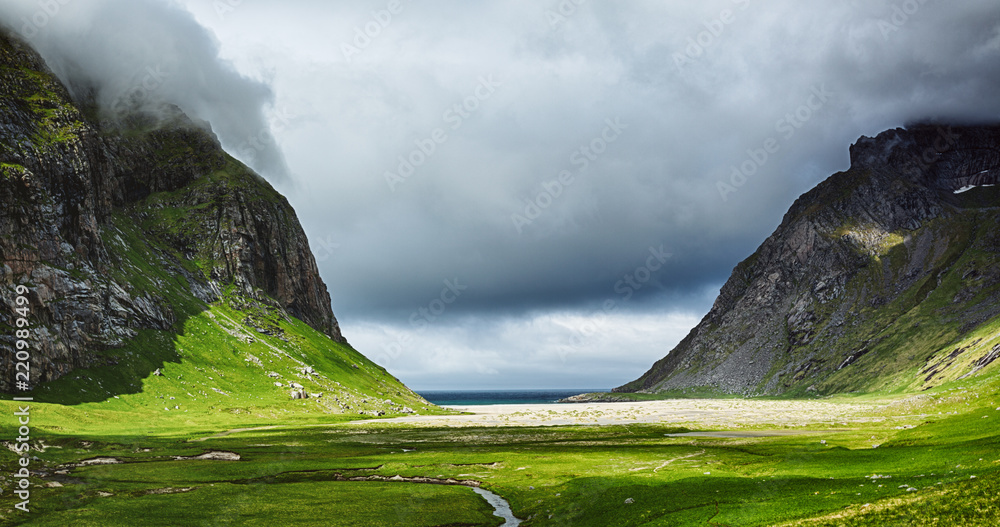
[853,258]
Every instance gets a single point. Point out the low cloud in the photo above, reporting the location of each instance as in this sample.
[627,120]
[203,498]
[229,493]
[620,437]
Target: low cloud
[555,350]
[131,54]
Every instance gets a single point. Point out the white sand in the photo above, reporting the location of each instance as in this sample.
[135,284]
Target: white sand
[724,413]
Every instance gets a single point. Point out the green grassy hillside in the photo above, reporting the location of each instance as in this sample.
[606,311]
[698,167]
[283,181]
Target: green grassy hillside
[221,362]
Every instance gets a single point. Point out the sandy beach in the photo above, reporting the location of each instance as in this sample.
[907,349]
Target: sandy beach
[727,413]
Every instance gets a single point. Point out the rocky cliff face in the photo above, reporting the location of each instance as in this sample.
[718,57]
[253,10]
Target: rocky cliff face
[870,281]
[78,200]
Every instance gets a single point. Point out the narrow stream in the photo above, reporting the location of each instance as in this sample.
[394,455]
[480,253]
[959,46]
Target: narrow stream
[502,508]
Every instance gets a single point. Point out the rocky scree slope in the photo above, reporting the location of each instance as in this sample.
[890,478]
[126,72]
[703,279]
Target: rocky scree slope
[883,277]
[116,231]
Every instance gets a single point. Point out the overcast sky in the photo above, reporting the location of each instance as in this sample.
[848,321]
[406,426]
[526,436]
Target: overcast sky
[532,193]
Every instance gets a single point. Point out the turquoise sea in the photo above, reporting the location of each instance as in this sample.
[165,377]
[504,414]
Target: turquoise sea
[481,397]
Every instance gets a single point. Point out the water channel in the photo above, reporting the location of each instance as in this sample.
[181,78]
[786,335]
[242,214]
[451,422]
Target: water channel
[500,506]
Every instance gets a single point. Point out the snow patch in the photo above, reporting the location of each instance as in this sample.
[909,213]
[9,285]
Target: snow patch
[970,187]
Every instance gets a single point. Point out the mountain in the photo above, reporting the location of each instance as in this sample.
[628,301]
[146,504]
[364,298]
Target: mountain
[883,277]
[150,255]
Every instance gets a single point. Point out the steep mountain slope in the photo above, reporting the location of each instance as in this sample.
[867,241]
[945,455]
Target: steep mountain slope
[148,250]
[883,277]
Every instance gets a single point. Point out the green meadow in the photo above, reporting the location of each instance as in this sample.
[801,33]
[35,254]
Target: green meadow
[928,459]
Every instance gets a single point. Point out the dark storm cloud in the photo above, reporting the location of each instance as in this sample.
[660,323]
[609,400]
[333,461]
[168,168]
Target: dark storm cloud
[142,53]
[551,147]
[700,89]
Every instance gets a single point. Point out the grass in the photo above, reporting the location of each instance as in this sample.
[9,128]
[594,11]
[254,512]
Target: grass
[218,371]
[259,504]
[57,121]
[906,335]
[965,503]
[294,472]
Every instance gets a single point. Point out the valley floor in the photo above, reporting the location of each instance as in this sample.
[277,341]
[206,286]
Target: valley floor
[929,459]
[697,412]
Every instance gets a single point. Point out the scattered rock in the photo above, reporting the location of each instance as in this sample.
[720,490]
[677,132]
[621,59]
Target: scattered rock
[629,501]
[213,455]
[170,490]
[100,461]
